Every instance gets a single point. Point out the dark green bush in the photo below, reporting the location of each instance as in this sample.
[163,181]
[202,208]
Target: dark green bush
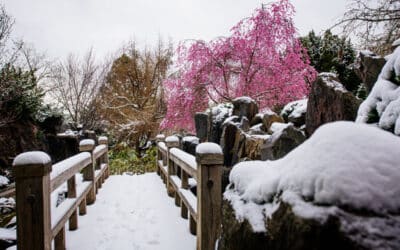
[124,159]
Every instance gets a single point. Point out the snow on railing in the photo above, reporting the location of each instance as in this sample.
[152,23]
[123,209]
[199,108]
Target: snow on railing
[39,221]
[176,167]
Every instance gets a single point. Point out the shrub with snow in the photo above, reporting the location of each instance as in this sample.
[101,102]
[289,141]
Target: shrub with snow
[382,105]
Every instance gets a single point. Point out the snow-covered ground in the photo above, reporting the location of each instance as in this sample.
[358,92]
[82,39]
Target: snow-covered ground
[132,212]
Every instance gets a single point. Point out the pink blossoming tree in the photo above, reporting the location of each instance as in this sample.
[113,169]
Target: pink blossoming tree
[262,59]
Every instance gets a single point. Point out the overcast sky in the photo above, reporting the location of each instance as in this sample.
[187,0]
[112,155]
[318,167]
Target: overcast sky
[59,27]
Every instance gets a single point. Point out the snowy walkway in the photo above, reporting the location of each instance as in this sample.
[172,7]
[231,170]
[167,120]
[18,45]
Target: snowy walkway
[132,212]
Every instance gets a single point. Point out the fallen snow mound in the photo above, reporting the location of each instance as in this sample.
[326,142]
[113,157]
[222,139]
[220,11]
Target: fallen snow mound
[384,97]
[343,164]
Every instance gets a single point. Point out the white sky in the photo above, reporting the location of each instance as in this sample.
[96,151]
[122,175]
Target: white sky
[59,27]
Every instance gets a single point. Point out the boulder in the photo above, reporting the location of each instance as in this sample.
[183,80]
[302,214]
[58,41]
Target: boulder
[368,67]
[285,137]
[231,141]
[201,121]
[245,106]
[270,117]
[286,230]
[329,101]
[218,115]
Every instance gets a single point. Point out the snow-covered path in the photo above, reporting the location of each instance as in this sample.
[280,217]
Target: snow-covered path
[132,212]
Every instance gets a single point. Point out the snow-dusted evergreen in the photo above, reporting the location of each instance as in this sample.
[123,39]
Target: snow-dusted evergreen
[382,105]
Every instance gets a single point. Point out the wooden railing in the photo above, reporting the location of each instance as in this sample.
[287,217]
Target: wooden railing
[180,171]
[38,220]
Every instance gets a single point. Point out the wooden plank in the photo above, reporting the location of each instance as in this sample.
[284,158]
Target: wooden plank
[73,220]
[69,171]
[67,208]
[99,151]
[59,240]
[190,201]
[185,166]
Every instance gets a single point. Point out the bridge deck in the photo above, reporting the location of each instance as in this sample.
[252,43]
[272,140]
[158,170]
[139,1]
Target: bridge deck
[132,212]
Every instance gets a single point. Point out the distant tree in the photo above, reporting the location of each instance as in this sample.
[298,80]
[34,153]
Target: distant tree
[131,97]
[21,69]
[20,98]
[375,22]
[75,84]
[331,53]
[262,59]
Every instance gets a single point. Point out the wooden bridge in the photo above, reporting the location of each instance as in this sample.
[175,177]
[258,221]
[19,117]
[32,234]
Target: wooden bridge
[193,181]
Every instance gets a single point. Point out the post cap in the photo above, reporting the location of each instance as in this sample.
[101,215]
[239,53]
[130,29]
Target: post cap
[209,153]
[86,145]
[32,163]
[160,137]
[103,140]
[172,141]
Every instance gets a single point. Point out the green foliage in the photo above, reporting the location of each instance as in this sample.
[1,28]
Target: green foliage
[373,116]
[47,111]
[125,159]
[331,53]
[19,95]
[361,92]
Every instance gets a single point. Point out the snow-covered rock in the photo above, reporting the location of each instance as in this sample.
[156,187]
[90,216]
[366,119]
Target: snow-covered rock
[345,177]
[4,181]
[295,112]
[323,169]
[329,101]
[245,106]
[382,105]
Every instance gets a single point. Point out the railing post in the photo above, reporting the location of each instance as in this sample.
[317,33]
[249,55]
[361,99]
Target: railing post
[159,138]
[73,220]
[87,145]
[171,142]
[32,174]
[209,159]
[103,140]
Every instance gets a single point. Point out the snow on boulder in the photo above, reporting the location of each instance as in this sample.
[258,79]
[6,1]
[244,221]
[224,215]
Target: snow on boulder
[295,112]
[32,158]
[245,106]
[4,181]
[343,164]
[382,105]
[396,43]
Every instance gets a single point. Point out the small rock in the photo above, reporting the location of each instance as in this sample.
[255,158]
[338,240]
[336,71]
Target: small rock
[270,117]
[281,142]
[201,121]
